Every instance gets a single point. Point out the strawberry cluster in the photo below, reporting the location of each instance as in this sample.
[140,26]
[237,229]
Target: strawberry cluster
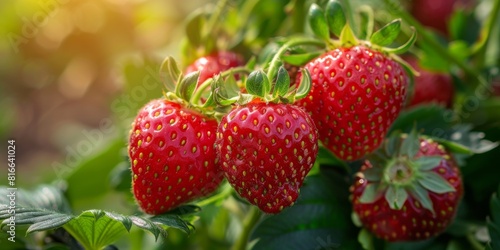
[260,127]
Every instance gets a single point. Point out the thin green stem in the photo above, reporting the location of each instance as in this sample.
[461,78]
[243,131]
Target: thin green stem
[473,242]
[226,192]
[200,89]
[249,222]
[299,12]
[273,65]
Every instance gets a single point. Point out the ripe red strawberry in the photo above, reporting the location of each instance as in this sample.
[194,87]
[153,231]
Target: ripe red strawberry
[412,196]
[356,95]
[214,64]
[431,87]
[173,158]
[266,151]
[435,14]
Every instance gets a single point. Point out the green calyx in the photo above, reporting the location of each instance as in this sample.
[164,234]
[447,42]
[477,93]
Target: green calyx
[401,174]
[333,22]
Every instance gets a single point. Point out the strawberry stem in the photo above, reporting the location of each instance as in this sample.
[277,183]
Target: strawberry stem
[249,222]
[275,62]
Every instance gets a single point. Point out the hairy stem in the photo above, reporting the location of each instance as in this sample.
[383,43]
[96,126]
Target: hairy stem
[249,222]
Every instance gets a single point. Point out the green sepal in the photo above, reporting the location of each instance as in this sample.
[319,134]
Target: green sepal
[370,194]
[435,182]
[366,22]
[410,145]
[428,162]
[188,85]
[373,174]
[335,17]
[258,84]
[317,22]
[282,83]
[347,36]
[405,47]
[387,34]
[393,143]
[304,86]
[453,146]
[169,73]
[422,196]
[300,59]
[396,197]
[365,238]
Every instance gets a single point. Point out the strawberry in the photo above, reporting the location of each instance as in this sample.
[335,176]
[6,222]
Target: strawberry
[266,151]
[357,93]
[431,87]
[214,64]
[411,195]
[436,14]
[173,158]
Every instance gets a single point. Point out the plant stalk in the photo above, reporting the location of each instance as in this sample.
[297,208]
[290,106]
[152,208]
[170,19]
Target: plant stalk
[249,222]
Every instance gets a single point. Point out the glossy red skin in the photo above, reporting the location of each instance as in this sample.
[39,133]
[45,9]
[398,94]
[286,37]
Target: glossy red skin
[214,64]
[431,87]
[416,223]
[266,151]
[435,14]
[171,149]
[353,117]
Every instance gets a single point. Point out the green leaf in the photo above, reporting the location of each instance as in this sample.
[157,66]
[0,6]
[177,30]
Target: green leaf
[428,162]
[169,73]
[320,218]
[174,221]
[371,193]
[435,182]
[405,47]
[188,85]
[194,26]
[258,84]
[387,34]
[305,84]
[282,83]
[494,221]
[44,197]
[421,195]
[453,146]
[366,22]
[335,17]
[410,145]
[396,197]
[317,22]
[300,59]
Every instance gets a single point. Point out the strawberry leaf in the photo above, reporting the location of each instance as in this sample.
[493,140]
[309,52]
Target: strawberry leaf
[317,22]
[258,84]
[282,83]
[335,17]
[194,26]
[300,59]
[366,22]
[422,196]
[428,162]
[396,197]
[405,47]
[435,183]
[387,34]
[370,194]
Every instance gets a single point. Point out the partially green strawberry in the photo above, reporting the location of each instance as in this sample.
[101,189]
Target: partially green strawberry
[173,158]
[266,145]
[358,86]
[411,193]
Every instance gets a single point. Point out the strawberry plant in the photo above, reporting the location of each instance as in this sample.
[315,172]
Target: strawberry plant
[284,124]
